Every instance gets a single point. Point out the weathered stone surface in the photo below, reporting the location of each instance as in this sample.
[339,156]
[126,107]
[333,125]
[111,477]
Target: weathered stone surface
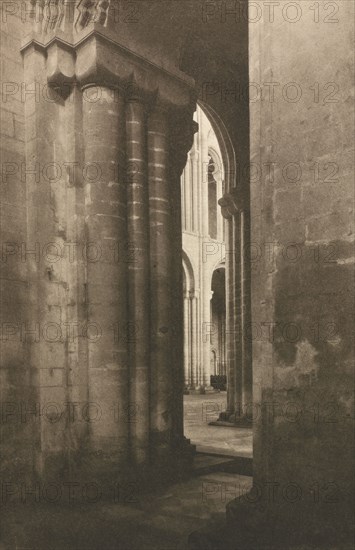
[305,371]
[171,57]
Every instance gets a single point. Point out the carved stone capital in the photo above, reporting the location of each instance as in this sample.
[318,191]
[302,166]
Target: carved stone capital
[60,66]
[183,128]
[95,58]
[231,204]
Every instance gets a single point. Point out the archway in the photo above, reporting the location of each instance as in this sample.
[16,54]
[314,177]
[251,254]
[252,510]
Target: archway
[202,185]
[211,259]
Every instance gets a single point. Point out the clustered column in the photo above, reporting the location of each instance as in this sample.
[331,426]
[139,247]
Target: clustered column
[138,269]
[143,369]
[106,275]
[187,339]
[161,280]
[193,376]
[127,124]
[245,282]
[238,346]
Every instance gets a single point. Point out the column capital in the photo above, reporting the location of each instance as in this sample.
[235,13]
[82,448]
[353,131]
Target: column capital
[82,46]
[183,128]
[231,204]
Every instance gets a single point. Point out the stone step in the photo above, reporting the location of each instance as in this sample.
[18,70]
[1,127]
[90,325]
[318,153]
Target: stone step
[209,462]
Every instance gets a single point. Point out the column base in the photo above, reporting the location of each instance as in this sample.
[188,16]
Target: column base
[110,469]
[232,420]
[183,456]
[200,390]
[210,389]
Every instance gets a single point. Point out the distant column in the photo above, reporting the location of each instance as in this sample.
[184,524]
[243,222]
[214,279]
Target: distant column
[186,340]
[238,346]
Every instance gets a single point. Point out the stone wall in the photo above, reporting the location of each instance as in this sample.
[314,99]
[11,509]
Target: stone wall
[15,375]
[303,256]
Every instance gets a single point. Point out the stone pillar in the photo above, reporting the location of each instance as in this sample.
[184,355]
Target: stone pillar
[220,219]
[186,340]
[138,290]
[161,280]
[181,133]
[183,201]
[106,287]
[246,336]
[237,329]
[195,379]
[238,341]
[230,323]
[198,335]
[204,182]
[45,294]
[195,174]
[188,194]
[132,362]
[53,331]
[223,344]
[206,328]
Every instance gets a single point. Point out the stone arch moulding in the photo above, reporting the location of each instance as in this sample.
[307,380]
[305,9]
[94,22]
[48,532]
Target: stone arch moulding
[221,264]
[225,144]
[189,272]
[217,161]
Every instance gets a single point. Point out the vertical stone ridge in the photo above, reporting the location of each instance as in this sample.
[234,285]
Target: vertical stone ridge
[161,314]
[105,211]
[138,289]
[181,132]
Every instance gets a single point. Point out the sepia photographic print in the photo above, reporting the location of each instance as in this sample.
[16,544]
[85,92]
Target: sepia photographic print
[177,275]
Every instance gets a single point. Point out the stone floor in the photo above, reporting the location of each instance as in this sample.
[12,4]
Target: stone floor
[160,521]
[199,410]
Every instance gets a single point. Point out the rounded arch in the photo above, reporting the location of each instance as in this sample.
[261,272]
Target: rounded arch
[220,264]
[216,158]
[218,276]
[225,145]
